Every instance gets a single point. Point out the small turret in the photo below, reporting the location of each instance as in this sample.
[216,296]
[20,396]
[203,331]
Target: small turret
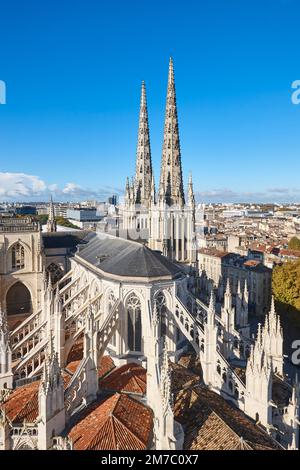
[51,223]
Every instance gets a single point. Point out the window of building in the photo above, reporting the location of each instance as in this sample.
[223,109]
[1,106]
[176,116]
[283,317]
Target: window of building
[18,256]
[134,324]
[55,272]
[161,306]
[111,302]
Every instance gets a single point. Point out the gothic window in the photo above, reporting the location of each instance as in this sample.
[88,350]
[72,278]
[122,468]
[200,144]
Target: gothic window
[18,256]
[110,305]
[161,306]
[55,272]
[134,324]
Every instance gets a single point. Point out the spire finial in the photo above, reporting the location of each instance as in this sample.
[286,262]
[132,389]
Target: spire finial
[171,70]
[143,94]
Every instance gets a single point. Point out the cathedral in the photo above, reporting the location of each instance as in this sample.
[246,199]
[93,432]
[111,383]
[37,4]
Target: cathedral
[117,351]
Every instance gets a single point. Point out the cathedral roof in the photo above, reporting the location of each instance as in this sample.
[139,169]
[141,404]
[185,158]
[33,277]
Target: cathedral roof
[117,422]
[22,404]
[64,239]
[209,421]
[129,378]
[124,258]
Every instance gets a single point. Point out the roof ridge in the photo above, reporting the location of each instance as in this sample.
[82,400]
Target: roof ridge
[103,236]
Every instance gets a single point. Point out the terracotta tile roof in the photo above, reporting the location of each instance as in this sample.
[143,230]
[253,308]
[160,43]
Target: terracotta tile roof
[211,423]
[292,253]
[182,378]
[76,352]
[116,423]
[190,360]
[251,262]
[72,366]
[213,252]
[22,403]
[106,365]
[130,378]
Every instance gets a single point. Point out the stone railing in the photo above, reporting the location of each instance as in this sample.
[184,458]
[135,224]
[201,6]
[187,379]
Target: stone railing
[32,363]
[25,328]
[76,391]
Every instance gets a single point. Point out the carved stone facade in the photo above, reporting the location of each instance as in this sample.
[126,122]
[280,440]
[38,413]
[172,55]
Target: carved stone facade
[21,265]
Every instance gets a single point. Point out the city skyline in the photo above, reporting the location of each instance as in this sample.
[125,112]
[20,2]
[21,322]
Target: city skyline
[69,127]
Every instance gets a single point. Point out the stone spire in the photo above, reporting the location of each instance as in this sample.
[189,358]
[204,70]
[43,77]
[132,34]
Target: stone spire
[211,309]
[228,296]
[191,192]
[127,191]
[171,184]
[51,223]
[143,174]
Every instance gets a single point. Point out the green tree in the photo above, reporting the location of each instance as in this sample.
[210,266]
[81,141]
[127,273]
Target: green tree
[286,283]
[294,244]
[65,222]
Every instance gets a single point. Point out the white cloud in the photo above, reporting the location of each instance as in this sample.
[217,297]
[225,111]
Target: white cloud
[268,196]
[25,187]
[18,185]
[72,188]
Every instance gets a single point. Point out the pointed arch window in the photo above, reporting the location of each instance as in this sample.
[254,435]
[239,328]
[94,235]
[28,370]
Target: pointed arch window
[161,306]
[18,256]
[55,272]
[110,305]
[134,324]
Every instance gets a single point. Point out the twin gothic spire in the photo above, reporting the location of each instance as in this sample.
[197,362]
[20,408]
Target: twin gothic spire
[171,184]
[143,173]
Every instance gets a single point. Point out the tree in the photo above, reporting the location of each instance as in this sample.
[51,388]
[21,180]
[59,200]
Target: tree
[294,244]
[65,222]
[286,283]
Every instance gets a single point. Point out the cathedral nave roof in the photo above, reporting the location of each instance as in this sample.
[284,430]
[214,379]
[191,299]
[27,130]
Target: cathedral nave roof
[126,258]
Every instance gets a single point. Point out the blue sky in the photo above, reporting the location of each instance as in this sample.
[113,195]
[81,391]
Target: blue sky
[73,71]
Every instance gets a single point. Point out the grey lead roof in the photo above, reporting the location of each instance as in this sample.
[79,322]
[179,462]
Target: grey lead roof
[126,258]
